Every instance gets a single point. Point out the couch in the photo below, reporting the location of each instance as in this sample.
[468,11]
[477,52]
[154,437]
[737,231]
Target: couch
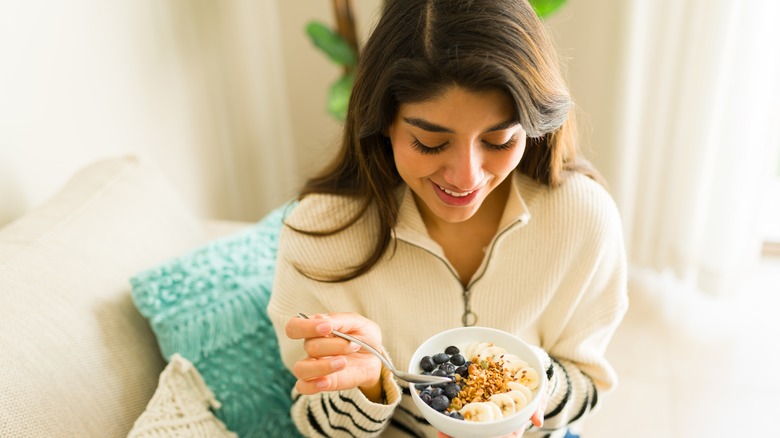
[77,358]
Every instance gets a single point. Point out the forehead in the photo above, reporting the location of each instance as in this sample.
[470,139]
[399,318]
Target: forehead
[459,107]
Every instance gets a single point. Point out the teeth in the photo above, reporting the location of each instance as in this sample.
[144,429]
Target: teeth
[455,194]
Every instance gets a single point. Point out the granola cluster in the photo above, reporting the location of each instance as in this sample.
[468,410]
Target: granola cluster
[485,378]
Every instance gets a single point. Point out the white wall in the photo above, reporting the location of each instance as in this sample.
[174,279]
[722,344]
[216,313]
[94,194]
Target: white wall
[590,36]
[229,97]
[78,82]
[196,85]
[309,74]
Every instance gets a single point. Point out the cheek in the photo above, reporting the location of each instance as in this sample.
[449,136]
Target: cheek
[409,162]
[404,160]
[508,162]
[517,153]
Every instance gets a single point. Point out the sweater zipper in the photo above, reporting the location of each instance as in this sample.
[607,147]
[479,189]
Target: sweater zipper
[469,318]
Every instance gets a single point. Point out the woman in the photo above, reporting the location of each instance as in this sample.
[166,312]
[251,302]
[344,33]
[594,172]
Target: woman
[456,199]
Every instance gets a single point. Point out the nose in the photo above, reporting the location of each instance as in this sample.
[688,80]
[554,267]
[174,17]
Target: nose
[464,168]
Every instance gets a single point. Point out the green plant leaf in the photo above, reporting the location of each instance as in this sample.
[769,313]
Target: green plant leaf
[544,8]
[330,42]
[338,96]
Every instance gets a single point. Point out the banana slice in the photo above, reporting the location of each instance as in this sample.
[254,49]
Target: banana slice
[505,402]
[497,414]
[479,412]
[528,377]
[518,397]
[491,352]
[513,363]
[515,386]
[475,347]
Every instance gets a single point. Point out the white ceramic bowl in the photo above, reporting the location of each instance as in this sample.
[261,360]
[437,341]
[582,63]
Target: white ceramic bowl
[461,337]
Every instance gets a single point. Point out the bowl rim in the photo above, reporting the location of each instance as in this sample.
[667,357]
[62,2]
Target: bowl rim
[535,361]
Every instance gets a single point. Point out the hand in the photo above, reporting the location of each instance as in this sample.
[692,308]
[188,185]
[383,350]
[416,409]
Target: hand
[335,364]
[538,417]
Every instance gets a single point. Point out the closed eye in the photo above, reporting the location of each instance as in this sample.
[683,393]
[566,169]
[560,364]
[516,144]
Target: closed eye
[427,150]
[503,146]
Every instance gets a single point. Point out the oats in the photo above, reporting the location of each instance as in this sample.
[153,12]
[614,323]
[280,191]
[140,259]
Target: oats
[484,380]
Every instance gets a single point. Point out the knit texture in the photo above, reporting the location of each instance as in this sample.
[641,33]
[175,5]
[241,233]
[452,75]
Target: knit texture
[210,307]
[76,357]
[181,406]
[554,275]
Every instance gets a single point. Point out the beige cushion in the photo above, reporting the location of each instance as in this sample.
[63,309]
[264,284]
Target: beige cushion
[76,358]
[181,406]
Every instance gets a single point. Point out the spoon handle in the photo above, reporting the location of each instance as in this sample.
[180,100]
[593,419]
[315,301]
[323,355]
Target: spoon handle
[371,349]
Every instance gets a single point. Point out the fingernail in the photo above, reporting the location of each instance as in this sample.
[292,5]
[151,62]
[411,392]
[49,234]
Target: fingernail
[353,346]
[323,328]
[338,363]
[322,384]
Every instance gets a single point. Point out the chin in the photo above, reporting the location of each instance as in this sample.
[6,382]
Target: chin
[465,213]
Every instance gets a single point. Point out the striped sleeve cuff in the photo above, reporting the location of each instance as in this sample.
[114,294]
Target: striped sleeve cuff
[572,394]
[346,413]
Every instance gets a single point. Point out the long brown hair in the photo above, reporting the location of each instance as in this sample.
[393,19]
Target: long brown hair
[418,49]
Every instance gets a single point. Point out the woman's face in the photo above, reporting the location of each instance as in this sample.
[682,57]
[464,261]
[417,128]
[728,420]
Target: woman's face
[454,150]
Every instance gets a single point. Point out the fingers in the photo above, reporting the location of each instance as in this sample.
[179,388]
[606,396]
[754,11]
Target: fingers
[301,328]
[309,369]
[332,346]
[323,325]
[333,363]
[538,417]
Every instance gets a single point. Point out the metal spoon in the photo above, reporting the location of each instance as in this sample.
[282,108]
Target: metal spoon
[411,378]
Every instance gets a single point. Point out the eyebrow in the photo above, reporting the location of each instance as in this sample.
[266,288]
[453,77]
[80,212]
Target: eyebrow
[432,127]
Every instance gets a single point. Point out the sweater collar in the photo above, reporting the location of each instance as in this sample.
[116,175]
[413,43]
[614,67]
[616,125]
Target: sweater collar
[411,228]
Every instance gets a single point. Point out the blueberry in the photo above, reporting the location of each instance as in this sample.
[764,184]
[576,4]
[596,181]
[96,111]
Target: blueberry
[435,392]
[456,415]
[448,368]
[421,386]
[426,398]
[462,370]
[439,372]
[457,359]
[452,350]
[441,357]
[427,364]
[452,390]
[440,403]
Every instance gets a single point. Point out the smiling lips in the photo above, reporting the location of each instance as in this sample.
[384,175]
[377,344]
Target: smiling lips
[456,194]
[455,199]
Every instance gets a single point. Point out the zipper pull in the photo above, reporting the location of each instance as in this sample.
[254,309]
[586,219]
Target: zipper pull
[469,318]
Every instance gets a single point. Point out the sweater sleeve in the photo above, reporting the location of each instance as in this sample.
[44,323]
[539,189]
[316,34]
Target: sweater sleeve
[577,339]
[345,413]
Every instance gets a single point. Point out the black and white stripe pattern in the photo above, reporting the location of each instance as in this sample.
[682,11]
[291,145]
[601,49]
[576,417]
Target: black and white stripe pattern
[572,394]
[345,413]
[336,414]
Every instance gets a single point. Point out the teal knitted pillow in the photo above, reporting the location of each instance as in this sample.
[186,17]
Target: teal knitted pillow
[210,307]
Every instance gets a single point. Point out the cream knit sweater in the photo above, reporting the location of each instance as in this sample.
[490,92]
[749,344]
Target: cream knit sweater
[555,275]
